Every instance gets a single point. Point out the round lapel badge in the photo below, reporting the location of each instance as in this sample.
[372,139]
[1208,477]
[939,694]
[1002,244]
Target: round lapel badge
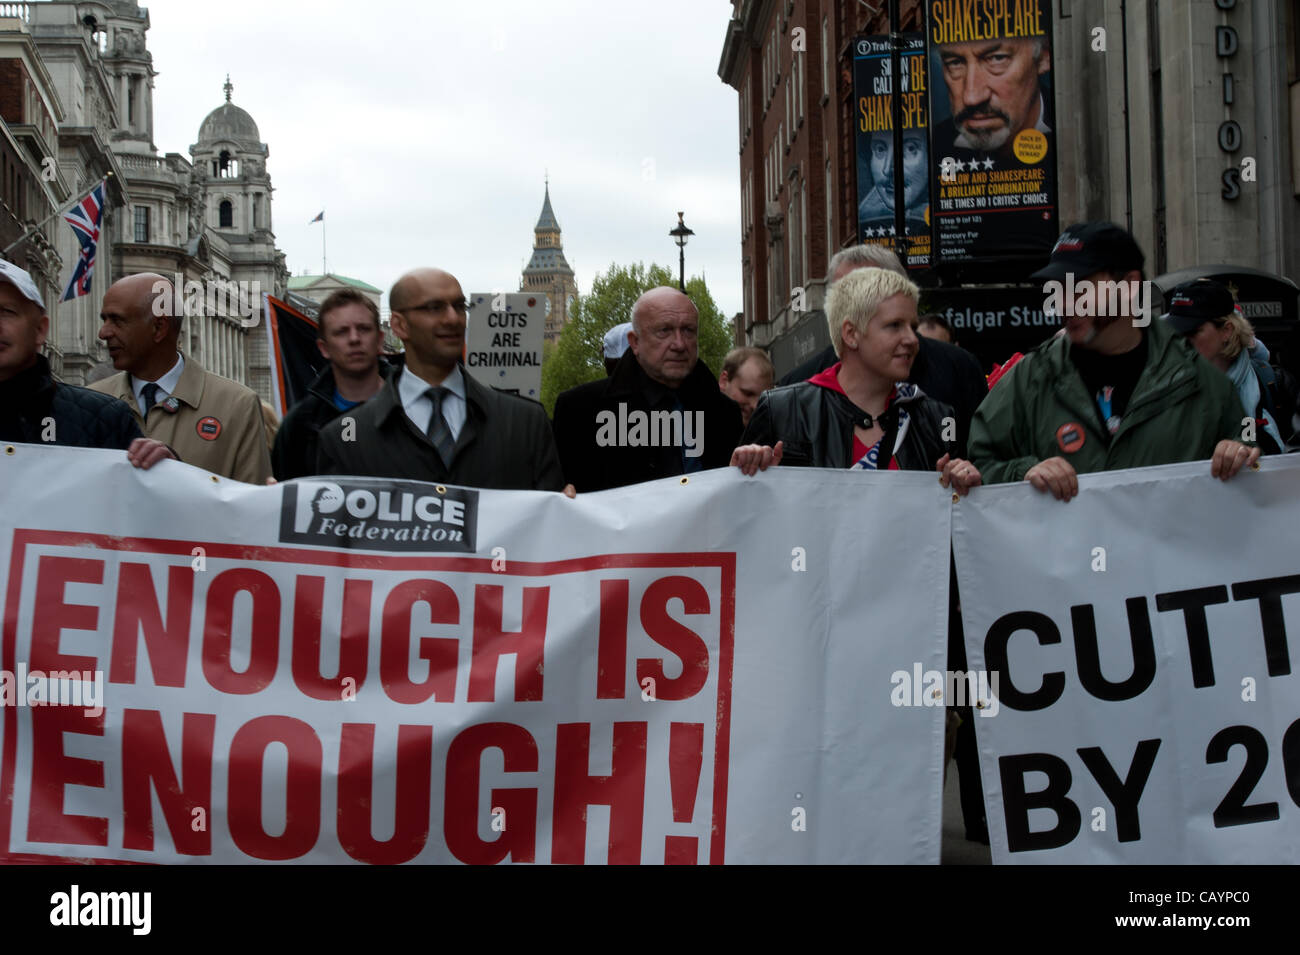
[209,428]
[1069,437]
[170,405]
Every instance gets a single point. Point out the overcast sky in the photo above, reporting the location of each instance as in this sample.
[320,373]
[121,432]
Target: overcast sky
[423,129]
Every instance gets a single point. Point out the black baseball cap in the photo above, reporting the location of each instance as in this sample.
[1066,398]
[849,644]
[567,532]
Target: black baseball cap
[1194,303]
[1088,247]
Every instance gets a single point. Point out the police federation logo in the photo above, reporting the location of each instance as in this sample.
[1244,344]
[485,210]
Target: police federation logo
[379,515]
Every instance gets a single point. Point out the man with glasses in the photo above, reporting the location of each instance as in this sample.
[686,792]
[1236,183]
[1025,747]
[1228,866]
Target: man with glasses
[431,421]
[658,415]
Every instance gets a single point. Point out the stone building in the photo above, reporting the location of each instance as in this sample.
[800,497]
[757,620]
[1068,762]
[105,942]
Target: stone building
[318,287]
[32,190]
[548,273]
[1153,132]
[62,107]
[76,85]
[206,219]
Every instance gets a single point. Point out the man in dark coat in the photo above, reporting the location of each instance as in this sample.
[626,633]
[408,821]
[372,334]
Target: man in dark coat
[659,414]
[431,421]
[350,339]
[36,409]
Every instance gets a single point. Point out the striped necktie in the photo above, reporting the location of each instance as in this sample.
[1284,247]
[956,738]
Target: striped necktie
[438,431]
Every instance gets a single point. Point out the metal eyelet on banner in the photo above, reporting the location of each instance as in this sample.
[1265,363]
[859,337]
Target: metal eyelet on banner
[685,481]
[9,449]
[215,479]
[955,497]
[440,489]
[1255,466]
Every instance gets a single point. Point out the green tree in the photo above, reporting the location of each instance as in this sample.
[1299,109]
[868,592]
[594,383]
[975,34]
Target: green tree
[578,357]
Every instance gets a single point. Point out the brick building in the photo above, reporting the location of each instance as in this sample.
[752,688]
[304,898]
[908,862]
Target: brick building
[1140,140]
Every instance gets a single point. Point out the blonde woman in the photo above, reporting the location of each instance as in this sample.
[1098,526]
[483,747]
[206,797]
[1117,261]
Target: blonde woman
[860,413]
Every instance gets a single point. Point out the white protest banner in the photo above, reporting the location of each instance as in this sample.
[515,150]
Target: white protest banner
[503,341]
[1149,709]
[364,670]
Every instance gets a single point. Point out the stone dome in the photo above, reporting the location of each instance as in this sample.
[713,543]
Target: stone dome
[229,123]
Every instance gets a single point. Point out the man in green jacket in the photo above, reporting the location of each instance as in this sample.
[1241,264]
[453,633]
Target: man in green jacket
[1114,391]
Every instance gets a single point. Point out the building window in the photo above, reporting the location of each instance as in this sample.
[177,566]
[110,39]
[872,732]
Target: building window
[798,89]
[142,223]
[796,277]
[826,58]
[803,232]
[226,214]
[225,167]
[830,213]
[788,125]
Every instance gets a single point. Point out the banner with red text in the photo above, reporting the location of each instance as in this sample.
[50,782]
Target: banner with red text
[1141,643]
[357,670]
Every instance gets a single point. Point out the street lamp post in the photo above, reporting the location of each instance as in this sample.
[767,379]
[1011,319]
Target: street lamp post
[679,236]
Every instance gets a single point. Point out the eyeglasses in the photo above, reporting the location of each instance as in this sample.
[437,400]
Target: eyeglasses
[437,306]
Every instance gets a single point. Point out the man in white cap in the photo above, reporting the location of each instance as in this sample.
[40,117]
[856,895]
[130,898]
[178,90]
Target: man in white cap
[615,345]
[34,407]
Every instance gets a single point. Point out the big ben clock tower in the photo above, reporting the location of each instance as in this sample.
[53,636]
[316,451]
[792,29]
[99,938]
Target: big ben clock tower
[547,272]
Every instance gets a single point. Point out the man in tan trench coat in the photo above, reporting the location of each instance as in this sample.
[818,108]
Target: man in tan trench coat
[210,422]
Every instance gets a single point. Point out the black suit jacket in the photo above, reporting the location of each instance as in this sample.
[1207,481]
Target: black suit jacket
[505,444]
[591,466]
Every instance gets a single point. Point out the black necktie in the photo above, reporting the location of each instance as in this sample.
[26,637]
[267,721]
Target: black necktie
[438,431]
[150,393]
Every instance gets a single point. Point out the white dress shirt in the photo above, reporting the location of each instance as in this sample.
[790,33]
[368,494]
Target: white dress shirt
[166,384]
[419,406]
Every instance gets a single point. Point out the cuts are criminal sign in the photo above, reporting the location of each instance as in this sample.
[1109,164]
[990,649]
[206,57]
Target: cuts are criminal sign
[1138,636]
[503,341]
[361,670]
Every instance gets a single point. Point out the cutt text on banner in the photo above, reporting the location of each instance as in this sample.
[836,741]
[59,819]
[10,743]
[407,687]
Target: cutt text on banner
[1149,708]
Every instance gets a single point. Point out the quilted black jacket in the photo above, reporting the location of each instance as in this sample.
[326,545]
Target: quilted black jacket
[31,401]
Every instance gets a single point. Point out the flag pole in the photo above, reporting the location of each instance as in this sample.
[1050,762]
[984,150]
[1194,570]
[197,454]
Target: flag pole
[324,270]
[57,212]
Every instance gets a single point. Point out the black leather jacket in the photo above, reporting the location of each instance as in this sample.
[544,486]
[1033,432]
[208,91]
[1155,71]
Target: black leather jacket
[817,423]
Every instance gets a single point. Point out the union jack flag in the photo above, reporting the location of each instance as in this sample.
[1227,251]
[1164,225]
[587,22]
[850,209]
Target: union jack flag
[84,218]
